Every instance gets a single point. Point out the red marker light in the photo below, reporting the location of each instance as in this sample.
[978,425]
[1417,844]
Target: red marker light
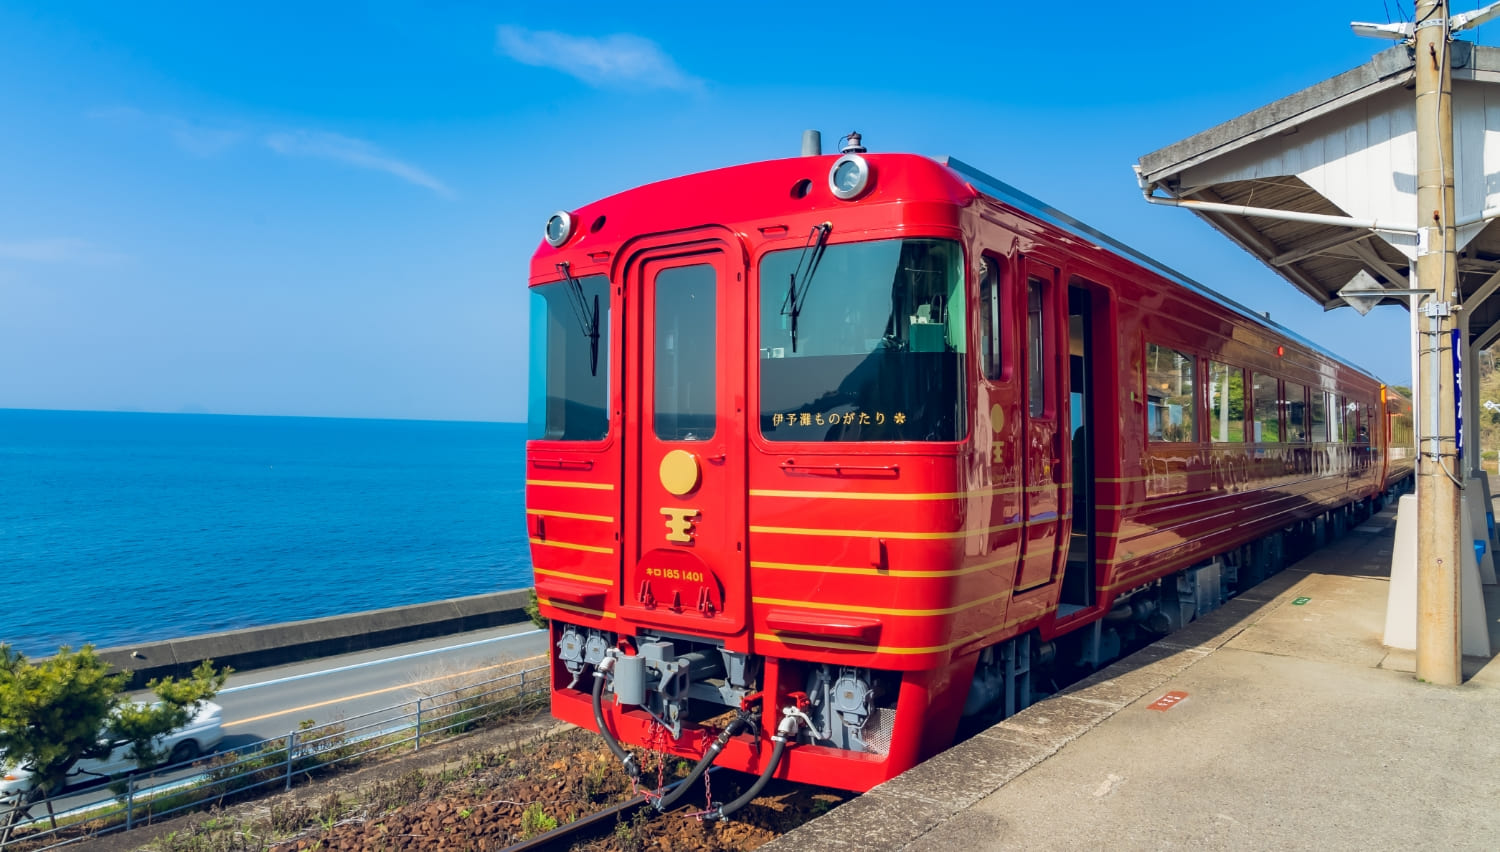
[1279,351]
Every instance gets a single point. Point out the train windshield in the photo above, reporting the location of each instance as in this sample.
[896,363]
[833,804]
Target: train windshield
[568,393]
[878,349]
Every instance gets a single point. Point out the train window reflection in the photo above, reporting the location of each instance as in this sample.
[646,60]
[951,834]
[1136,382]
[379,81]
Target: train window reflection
[1226,403]
[1318,416]
[1265,393]
[1296,412]
[568,394]
[990,314]
[1169,394]
[878,349]
[685,363]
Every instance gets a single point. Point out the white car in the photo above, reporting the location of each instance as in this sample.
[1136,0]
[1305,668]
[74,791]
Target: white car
[201,734]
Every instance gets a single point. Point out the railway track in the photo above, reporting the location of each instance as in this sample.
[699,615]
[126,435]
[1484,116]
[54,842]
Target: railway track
[597,824]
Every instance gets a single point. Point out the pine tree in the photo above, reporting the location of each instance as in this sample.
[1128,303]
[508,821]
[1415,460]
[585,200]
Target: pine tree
[69,708]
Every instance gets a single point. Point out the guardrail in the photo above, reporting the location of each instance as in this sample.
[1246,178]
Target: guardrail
[275,764]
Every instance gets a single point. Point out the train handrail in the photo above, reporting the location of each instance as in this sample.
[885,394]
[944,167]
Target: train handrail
[839,468]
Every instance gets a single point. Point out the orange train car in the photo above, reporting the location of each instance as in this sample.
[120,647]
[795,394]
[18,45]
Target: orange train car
[832,456]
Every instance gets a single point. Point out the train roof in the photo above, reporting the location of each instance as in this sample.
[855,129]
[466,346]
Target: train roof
[1033,206]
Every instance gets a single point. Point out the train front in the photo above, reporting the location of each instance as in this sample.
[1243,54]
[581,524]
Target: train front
[745,484]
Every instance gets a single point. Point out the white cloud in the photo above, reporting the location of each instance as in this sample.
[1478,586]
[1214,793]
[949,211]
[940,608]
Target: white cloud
[197,139]
[616,61]
[202,141]
[58,250]
[353,152]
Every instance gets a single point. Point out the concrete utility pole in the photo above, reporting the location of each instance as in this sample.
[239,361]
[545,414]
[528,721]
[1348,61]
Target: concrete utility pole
[1439,498]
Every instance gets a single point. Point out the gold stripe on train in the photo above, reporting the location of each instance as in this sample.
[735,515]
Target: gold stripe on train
[577,516]
[882,495]
[582,578]
[568,545]
[795,639]
[907,536]
[880,610]
[558,483]
[578,609]
[879,572]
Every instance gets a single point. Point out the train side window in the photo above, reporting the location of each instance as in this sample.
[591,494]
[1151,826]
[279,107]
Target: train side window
[1226,403]
[1318,416]
[1036,349]
[1296,411]
[990,319]
[1169,394]
[1338,424]
[1265,395]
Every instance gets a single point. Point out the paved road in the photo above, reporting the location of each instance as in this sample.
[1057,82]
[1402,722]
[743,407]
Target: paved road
[268,703]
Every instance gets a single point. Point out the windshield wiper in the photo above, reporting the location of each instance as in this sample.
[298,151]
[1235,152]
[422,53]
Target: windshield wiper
[817,240]
[588,319]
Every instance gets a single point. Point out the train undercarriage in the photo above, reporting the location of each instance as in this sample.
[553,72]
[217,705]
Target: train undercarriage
[692,698]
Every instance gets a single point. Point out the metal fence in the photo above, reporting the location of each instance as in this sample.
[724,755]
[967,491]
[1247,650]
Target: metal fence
[275,764]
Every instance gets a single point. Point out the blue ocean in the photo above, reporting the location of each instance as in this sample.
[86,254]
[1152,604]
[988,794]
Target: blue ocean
[118,528]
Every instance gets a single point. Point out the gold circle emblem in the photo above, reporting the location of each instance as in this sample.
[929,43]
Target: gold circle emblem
[997,417]
[679,472]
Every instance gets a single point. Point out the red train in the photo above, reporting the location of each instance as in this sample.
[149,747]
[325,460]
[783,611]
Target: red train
[832,455]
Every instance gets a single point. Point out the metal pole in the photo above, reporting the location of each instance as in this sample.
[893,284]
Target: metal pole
[418,746]
[1439,658]
[291,748]
[129,803]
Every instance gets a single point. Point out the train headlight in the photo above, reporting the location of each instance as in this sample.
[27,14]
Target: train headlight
[559,228]
[849,177]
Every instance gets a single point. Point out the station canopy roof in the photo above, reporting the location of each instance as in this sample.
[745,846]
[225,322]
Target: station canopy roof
[1346,147]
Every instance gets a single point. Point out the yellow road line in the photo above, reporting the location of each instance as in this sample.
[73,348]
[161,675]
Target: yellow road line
[307,707]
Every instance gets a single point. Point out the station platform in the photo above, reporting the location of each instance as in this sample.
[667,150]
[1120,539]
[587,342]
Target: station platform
[1296,729]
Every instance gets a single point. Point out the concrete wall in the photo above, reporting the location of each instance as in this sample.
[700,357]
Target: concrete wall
[258,647]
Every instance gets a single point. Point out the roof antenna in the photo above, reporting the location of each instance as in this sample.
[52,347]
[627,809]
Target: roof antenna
[852,146]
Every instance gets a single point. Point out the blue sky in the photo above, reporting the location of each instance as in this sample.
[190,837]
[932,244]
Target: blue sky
[318,209]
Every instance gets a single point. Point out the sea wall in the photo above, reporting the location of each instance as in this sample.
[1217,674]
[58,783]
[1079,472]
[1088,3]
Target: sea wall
[293,641]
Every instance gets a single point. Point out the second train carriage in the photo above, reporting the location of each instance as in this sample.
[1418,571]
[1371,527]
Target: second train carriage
[841,451]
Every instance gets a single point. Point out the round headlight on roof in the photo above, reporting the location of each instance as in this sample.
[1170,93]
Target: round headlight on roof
[849,177]
[559,228]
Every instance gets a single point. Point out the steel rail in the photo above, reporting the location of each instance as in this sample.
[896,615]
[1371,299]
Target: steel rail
[596,824]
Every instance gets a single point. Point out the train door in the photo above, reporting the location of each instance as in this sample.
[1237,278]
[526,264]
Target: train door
[685,479]
[1078,574]
[1043,457]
